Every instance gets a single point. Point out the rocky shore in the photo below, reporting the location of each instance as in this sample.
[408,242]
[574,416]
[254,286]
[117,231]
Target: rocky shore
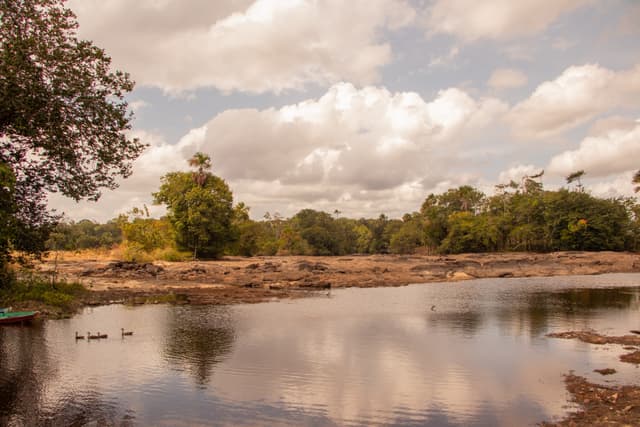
[244,280]
[603,404]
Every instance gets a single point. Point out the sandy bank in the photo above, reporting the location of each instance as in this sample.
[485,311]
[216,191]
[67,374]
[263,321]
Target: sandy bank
[237,280]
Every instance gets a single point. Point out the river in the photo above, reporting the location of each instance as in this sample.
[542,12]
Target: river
[445,354]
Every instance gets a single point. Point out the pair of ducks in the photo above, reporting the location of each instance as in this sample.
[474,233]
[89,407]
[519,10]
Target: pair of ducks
[101,336]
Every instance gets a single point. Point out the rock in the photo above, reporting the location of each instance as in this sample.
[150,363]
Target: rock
[605,371]
[310,266]
[633,357]
[458,275]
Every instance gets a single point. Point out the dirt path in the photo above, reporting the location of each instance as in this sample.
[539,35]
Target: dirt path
[235,279]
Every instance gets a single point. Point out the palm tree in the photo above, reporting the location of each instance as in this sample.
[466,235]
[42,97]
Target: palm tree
[576,176]
[202,162]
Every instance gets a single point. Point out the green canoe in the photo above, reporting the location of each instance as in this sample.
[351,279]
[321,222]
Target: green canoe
[8,316]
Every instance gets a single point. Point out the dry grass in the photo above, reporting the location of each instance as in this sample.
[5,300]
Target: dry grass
[101,254]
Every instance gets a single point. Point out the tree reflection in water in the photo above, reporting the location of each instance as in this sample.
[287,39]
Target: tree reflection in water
[197,339]
[532,311]
[25,368]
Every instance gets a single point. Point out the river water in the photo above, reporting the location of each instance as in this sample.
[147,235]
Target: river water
[445,354]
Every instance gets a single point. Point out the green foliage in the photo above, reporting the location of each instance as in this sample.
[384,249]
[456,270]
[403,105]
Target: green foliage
[469,233]
[436,210]
[171,254]
[200,209]
[518,217]
[36,288]
[318,230]
[63,118]
[410,235]
[145,233]
[84,234]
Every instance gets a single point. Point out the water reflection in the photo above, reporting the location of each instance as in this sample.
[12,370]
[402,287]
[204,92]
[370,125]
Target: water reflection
[87,409]
[363,357]
[535,311]
[197,338]
[24,367]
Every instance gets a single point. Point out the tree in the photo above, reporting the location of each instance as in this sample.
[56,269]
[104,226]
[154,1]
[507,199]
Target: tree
[410,235]
[142,233]
[202,162]
[576,176]
[636,181]
[63,117]
[200,208]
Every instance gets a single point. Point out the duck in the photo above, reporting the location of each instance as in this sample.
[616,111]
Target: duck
[633,331]
[126,333]
[101,336]
[79,337]
[92,337]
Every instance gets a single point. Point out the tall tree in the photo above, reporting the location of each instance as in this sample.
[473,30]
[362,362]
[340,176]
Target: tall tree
[63,116]
[200,208]
[576,176]
[202,163]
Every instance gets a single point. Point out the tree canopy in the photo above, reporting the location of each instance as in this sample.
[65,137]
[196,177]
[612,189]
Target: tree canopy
[200,208]
[63,117]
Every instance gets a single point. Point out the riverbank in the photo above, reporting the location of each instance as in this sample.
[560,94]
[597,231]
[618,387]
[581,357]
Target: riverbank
[249,280]
[603,404]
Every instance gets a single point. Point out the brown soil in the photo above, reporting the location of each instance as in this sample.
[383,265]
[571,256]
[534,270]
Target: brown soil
[605,371]
[592,337]
[601,405]
[633,357]
[236,279]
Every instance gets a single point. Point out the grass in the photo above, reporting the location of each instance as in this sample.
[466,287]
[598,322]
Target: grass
[123,252]
[32,289]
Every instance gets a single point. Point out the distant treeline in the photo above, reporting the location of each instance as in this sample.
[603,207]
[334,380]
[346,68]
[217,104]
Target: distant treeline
[518,217]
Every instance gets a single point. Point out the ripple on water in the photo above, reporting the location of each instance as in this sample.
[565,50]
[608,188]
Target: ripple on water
[364,357]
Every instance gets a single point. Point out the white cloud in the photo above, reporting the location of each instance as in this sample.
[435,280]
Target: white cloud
[363,151]
[470,20]
[138,104]
[254,46]
[616,186]
[507,78]
[576,96]
[615,151]
[516,173]
[158,159]
[369,138]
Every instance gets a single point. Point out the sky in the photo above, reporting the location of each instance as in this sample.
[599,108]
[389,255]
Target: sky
[368,106]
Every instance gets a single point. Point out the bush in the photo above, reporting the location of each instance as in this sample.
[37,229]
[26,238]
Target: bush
[134,252]
[33,287]
[172,255]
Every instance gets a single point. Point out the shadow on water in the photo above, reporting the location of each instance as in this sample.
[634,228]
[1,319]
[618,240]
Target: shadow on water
[197,339]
